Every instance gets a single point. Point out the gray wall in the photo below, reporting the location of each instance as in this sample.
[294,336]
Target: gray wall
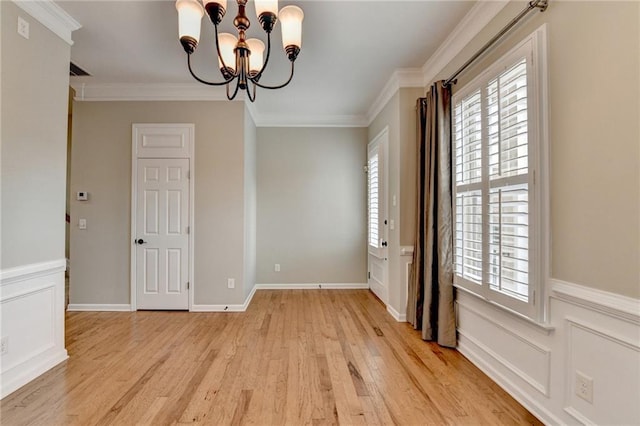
[35,82]
[594,110]
[312,205]
[101,165]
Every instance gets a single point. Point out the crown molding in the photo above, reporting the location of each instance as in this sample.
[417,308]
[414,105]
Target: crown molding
[105,92]
[101,92]
[280,120]
[471,24]
[401,77]
[51,16]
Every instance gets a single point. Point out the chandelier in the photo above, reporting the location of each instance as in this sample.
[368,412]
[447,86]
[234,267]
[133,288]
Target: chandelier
[240,59]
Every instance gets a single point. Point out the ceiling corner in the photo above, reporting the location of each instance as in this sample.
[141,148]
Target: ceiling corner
[52,16]
[473,22]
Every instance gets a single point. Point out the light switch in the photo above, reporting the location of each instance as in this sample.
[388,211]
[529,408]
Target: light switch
[394,201]
[82,223]
[392,224]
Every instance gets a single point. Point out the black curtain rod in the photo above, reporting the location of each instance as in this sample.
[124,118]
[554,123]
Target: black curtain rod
[534,4]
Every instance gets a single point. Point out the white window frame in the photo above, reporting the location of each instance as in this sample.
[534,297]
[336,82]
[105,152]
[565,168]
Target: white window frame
[533,48]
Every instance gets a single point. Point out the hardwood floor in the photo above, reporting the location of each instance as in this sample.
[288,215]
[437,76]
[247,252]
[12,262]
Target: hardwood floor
[295,357]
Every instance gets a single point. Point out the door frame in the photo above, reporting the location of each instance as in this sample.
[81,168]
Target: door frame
[382,139]
[135,127]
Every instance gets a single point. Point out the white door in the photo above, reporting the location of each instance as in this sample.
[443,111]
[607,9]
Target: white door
[162,233]
[377,245]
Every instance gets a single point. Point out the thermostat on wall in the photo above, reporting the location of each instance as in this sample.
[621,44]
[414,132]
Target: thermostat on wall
[82,196]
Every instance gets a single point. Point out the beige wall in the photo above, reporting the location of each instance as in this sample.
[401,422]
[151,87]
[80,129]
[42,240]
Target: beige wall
[101,165]
[311,205]
[408,161]
[35,81]
[594,95]
[250,202]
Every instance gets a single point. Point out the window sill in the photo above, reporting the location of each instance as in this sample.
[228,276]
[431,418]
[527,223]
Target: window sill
[543,327]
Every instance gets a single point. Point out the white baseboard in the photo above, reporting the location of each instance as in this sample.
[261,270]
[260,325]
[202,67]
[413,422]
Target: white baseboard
[307,286]
[94,307]
[32,300]
[396,315]
[21,374]
[226,308]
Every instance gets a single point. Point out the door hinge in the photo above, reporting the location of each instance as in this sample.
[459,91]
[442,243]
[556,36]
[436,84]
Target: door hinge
[188,174]
[188,229]
[369,275]
[187,285]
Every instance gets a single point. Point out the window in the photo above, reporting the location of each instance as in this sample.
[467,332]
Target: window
[499,226]
[373,184]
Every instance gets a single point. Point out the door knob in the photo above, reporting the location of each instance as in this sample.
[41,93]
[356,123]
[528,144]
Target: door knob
[384,244]
[140,241]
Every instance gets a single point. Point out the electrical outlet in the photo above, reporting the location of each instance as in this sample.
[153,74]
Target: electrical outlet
[4,345]
[584,387]
[23,28]
[231,283]
[276,267]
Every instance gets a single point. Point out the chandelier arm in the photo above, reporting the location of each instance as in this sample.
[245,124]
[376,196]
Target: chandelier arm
[252,97]
[266,60]
[235,92]
[210,83]
[275,87]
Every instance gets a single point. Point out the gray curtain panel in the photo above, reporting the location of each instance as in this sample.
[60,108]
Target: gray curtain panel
[431,293]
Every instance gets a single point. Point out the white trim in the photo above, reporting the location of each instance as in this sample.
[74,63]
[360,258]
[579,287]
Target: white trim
[51,16]
[309,286]
[543,388]
[468,28]
[134,182]
[89,92]
[104,92]
[512,389]
[406,250]
[33,270]
[20,288]
[396,315]
[15,381]
[99,307]
[226,308]
[574,323]
[615,305]
[281,120]
[543,327]
[401,77]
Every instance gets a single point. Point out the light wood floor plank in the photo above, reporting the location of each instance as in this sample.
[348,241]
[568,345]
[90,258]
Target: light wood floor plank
[297,357]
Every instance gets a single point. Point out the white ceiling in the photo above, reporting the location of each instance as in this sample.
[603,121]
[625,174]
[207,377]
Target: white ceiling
[350,49]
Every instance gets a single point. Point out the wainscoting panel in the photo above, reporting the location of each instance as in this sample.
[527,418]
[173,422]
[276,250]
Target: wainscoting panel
[528,360]
[598,354]
[591,334]
[32,331]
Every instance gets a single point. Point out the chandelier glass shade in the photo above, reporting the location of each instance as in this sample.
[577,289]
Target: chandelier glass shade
[240,59]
